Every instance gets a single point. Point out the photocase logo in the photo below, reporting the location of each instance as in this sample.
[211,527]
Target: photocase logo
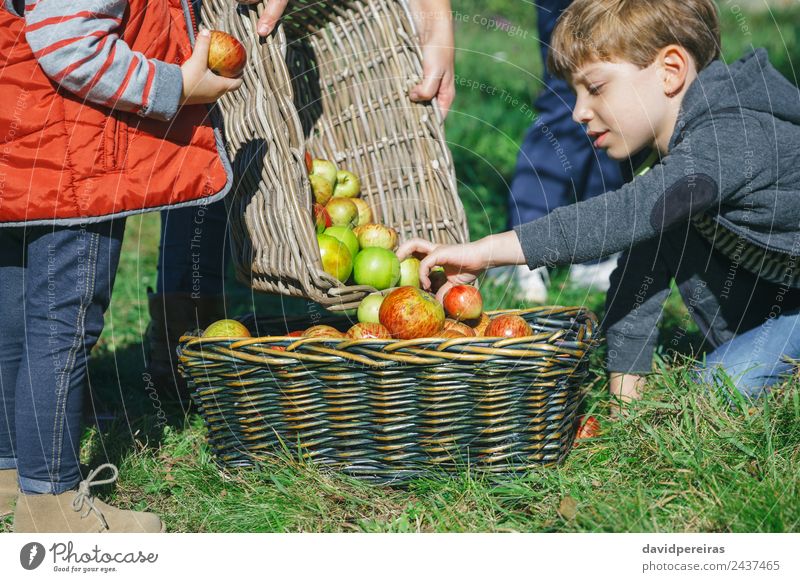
[31,555]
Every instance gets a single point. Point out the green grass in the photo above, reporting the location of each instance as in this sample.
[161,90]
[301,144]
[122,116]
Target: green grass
[683,460]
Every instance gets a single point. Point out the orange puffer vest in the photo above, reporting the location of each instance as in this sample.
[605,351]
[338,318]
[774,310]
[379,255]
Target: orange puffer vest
[66,161]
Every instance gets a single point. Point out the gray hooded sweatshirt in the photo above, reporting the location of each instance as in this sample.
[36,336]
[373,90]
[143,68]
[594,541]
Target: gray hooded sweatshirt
[723,204]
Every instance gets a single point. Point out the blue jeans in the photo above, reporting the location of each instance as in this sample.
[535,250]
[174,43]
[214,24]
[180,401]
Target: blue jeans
[55,286]
[557,164]
[753,359]
[192,256]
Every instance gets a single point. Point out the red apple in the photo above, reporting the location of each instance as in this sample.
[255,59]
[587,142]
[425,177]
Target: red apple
[368,331]
[343,212]
[463,302]
[408,312]
[459,327]
[296,333]
[226,55]
[451,333]
[508,326]
[322,219]
[588,427]
[323,331]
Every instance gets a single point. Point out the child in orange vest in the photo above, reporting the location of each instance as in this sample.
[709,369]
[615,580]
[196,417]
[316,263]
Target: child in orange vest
[104,117]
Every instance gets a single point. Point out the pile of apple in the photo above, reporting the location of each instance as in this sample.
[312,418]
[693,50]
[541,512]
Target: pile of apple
[353,248]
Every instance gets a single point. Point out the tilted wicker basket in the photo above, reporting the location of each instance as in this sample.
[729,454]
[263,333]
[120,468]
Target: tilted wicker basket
[389,410]
[333,80]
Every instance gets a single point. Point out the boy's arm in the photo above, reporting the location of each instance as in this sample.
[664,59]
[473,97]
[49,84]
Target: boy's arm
[77,45]
[701,172]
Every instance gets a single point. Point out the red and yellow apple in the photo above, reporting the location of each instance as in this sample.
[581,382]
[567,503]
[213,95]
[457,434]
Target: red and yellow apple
[343,212]
[323,331]
[364,211]
[368,331]
[226,55]
[463,302]
[459,327]
[376,235]
[322,219]
[508,326]
[408,312]
[226,328]
[479,325]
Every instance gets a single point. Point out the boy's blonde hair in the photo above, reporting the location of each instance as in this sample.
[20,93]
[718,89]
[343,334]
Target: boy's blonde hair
[633,31]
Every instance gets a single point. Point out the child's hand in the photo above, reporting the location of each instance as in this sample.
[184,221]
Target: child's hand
[200,85]
[462,263]
[269,18]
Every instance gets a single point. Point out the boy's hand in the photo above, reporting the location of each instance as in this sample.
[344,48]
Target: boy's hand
[462,263]
[269,18]
[200,85]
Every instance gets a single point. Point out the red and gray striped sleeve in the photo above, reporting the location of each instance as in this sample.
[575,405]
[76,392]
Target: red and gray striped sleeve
[77,45]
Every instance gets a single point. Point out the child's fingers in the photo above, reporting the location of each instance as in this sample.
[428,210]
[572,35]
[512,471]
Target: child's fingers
[425,267]
[415,245]
[201,44]
[269,19]
[443,291]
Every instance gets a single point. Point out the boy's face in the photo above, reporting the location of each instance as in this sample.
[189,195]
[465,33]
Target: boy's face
[624,107]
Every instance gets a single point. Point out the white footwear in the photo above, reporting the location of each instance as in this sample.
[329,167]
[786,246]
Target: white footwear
[532,284]
[596,276]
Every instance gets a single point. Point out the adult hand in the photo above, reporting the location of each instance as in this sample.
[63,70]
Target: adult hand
[271,15]
[434,22]
[200,84]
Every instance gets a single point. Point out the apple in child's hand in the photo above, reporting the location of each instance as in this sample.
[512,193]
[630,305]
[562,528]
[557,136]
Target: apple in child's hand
[347,185]
[376,267]
[322,219]
[368,331]
[323,331]
[369,308]
[409,272]
[463,302]
[364,211]
[508,326]
[408,313]
[345,236]
[336,259]
[226,328]
[343,212]
[226,55]
[376,235]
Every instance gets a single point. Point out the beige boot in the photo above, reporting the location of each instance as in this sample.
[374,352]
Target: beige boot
[8,491]
[171,316]
[79,512]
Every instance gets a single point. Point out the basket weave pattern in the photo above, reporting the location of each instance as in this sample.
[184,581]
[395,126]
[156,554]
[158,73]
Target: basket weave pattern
[390,410]
[332,80]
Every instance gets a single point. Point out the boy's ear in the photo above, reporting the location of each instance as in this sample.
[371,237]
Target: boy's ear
[676,62]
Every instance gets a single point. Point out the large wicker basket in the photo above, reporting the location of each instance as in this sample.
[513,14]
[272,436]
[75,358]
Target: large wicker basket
[332,80]
[389,410]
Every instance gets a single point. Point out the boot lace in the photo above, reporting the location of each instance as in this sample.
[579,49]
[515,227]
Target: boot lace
[84,498]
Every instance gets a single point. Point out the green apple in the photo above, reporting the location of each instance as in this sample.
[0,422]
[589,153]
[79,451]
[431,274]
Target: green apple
[342,212]
[345,236]
[336,259]
[325,169]
[376,267]
[369,307]
[409,272]
[347,185]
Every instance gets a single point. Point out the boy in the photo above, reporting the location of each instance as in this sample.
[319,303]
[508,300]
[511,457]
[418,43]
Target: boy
[104,118]
[718,211]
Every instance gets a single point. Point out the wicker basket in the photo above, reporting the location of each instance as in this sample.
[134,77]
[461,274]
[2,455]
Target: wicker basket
[388,410]
[332,80]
